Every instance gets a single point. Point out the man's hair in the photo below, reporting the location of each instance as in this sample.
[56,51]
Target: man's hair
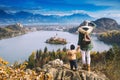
[72,47]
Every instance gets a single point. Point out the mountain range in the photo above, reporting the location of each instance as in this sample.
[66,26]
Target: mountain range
[29,18]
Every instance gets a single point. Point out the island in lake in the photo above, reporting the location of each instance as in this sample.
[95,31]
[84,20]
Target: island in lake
[56,40]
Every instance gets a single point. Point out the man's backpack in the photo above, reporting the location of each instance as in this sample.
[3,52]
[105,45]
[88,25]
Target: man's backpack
[86,39]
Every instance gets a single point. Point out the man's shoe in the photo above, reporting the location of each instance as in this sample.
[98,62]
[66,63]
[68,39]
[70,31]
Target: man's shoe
[88,67]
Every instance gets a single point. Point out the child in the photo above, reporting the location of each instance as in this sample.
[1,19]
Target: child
[71,54]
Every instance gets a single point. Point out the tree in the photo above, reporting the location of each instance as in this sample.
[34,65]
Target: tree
[113,66]
[64,49]
[45,50]
[109,55]
[38,55]
[31,60]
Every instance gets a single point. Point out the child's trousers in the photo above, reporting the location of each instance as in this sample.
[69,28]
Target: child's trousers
[73,63]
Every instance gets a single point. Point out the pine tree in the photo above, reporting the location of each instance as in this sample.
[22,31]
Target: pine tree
[31,60]
[45,50]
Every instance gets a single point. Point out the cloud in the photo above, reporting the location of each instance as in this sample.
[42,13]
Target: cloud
[114,14]
[107,13]
[62,5]
[111,3]
[56,12]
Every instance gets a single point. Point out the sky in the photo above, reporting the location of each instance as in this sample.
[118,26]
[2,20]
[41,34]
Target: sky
[94,8]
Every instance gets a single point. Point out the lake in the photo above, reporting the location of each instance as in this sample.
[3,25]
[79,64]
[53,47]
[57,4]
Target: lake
[19,48]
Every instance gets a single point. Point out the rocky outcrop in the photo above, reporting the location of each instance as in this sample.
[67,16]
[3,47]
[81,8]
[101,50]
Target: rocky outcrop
[56,70]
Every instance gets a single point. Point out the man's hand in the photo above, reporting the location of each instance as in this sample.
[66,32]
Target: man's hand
[78,48]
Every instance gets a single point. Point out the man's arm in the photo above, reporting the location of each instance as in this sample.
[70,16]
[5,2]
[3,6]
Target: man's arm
[89,30]
[81,30]
[86,31]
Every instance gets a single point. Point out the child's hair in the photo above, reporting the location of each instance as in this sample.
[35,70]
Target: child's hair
[72,47]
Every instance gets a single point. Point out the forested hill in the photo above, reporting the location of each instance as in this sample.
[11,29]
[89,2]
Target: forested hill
[110,37]
[12,30]
[102,24]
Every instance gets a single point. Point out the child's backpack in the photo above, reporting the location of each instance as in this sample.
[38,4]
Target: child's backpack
[86,39]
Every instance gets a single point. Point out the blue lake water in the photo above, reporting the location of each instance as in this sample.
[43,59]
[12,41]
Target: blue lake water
[19,48]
